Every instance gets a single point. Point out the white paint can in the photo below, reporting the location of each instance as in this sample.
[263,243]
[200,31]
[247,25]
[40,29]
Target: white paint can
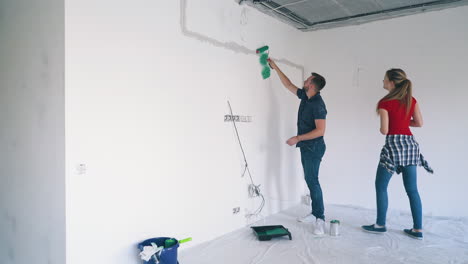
[334,228]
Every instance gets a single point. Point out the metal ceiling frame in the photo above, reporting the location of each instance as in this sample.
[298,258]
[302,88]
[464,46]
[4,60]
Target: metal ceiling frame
[280,11]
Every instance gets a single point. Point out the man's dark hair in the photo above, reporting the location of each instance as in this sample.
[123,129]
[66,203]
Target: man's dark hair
[319,81]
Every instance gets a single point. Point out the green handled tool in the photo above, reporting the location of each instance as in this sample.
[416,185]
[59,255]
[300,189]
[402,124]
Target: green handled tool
[263,52]
[171,242]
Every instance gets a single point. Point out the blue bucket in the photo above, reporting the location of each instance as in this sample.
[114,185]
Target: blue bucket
[168,255]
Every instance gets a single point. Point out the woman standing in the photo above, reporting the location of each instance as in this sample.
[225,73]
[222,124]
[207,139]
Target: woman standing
[398,110]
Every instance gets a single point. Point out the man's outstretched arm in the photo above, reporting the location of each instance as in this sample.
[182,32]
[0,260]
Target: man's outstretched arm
[284,79]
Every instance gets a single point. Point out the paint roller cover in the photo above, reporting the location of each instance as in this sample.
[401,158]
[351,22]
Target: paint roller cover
[264,59]
[265,72]
[262,49]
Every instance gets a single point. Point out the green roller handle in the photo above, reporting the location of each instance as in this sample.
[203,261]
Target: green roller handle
[185,240]
[171,242]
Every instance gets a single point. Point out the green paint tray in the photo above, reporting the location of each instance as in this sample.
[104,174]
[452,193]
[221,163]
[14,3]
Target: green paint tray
[265,233]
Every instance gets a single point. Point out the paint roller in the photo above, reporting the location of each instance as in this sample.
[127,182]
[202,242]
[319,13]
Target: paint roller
[263,52]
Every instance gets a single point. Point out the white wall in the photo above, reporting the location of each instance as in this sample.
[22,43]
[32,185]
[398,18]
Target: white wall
[145,106]
[432,49]
[32,163]
[147,85]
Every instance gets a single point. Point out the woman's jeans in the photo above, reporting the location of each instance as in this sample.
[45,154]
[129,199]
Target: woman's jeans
[410,182]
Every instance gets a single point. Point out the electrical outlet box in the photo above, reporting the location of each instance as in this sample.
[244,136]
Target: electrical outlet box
[81,169]
[306,199]
[235,210]
[237,118]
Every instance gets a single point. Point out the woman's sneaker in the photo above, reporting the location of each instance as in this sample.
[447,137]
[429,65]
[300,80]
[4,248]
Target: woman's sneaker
[373,229]
[415,235]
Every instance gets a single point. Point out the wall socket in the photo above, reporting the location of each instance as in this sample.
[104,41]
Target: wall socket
[306,199]
[235,210]
[81,169]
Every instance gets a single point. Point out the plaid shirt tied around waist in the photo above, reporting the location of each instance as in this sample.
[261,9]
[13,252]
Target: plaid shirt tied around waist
[400,151]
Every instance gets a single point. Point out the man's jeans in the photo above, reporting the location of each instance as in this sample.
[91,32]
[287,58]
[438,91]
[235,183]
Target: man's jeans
[311,156]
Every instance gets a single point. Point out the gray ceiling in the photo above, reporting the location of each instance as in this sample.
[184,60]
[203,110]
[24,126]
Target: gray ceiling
[310,15]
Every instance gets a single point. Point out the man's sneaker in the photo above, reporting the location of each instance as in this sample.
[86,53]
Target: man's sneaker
[415,235]
[307,219]
[373,229]
[319,227]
